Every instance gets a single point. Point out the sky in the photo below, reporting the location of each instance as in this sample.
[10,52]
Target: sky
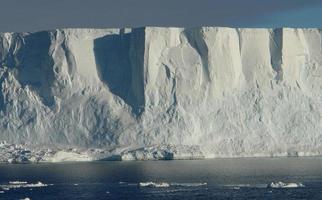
[34,15]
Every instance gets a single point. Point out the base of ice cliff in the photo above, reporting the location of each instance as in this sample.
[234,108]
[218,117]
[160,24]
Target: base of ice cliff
[163,92]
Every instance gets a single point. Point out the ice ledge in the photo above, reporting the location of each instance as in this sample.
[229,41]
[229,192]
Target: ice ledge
[19,153]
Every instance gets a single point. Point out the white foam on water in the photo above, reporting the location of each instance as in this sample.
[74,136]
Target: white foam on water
[188,184]
[239,186]
[17,182]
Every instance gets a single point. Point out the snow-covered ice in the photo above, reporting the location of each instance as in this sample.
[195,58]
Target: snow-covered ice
[160,93]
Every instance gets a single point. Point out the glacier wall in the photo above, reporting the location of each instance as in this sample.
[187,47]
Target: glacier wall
[227,92]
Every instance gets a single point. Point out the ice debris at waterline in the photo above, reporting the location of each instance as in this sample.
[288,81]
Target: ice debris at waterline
[13,153]
[284,185]
[229,92]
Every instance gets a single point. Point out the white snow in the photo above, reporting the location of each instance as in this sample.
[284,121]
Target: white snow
[160,93]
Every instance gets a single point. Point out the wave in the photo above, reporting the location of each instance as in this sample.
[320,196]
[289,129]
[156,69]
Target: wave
[188,184]
[238,186]
[17,182]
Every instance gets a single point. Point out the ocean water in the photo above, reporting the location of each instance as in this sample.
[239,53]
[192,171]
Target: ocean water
[241,178]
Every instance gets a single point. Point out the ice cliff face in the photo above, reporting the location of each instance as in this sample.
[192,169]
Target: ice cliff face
[224,91]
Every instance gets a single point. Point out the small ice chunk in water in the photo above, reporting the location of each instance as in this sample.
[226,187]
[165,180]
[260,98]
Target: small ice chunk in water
[153,184]
[284,185]
[38,184]
[22,184]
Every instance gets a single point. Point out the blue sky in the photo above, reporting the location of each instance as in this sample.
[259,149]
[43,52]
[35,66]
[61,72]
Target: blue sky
[310,16]
[31,15]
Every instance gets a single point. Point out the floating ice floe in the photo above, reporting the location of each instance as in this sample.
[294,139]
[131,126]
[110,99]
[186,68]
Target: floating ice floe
[22,184]
[164,184]
[284,185]
[38,184]
[153,184]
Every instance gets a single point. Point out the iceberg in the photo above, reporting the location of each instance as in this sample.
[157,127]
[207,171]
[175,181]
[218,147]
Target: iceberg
[160,93]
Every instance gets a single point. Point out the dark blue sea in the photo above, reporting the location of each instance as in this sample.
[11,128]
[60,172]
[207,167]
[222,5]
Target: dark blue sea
[241,178]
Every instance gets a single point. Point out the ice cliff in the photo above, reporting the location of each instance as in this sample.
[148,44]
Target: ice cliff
[220,92]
